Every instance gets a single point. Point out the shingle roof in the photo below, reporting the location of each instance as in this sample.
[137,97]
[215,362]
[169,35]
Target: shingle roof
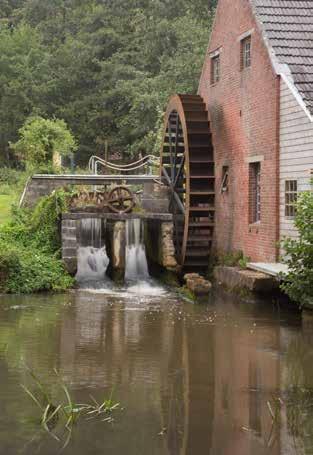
[288,25]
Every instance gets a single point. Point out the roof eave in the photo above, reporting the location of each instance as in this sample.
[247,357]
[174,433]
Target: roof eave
[280,69]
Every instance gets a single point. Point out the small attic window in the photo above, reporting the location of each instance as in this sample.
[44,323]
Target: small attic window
[215,69]
[245,52]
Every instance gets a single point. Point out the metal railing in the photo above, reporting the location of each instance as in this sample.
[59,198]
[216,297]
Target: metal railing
[95,163]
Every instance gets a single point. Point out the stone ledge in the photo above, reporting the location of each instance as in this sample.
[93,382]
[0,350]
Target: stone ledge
[117,217]
[235,278]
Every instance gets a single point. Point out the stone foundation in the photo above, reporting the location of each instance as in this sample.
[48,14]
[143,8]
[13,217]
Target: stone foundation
[160,244]
[167,247]
[237,279]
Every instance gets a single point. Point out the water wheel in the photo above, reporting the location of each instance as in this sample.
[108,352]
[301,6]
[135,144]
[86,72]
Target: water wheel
[121,200]
[187,166]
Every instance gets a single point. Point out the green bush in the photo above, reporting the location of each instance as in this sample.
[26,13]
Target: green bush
[9,176]
[299,254]
[234,259]
[30,245]
[40,138]
[9,265]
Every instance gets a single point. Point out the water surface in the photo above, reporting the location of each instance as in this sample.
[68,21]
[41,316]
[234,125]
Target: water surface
[191,379]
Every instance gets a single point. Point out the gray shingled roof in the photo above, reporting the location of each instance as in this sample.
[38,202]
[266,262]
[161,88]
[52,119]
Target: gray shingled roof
[288,24]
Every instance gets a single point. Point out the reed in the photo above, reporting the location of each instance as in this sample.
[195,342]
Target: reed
[66,414]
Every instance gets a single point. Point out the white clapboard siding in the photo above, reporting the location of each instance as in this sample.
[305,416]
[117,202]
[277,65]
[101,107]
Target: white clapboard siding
[296,152]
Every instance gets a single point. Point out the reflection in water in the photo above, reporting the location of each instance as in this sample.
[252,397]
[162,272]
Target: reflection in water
[192,379]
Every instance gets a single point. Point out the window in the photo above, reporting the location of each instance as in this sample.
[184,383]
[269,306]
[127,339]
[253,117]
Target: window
[225,179]
[255,192]
[245,52]
[215,69]
[291,195]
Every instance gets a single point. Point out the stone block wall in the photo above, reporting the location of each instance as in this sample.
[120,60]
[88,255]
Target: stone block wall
[69,245]
[155,198]
[37,188]
[160,244]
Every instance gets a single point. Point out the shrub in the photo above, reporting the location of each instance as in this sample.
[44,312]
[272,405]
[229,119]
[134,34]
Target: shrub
[40,138]
[9,265]
[299,254]
[30,259]
[234,259]
[9,176]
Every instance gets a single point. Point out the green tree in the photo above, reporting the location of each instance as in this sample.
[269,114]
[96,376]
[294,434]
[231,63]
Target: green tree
[40,138]
[299,254]
[106,68]
[23,74]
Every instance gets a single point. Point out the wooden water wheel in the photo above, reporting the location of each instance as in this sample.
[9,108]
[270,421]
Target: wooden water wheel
[187,166]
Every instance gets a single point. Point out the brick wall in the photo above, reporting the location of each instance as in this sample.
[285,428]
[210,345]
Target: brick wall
[243,110]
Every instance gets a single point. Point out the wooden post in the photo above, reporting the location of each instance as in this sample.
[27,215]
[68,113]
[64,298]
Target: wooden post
[106,152]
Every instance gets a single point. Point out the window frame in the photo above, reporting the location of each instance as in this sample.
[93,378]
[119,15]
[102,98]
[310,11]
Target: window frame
[255,191]
[215,62]
[291,197]
[245,55]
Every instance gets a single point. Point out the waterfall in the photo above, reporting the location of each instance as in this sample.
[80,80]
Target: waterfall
[92,259]
[136,260]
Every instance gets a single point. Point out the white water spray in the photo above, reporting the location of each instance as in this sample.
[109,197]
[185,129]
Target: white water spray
[136,260]
[92,259]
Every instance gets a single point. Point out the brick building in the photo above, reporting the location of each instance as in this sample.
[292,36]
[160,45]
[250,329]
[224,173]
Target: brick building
[257,83]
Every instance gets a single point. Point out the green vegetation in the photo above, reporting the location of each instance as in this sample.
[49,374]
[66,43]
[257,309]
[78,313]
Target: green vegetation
[106,68]
[5,207]
[41,138]
[299,255]
[95,71]
[234,259]
[11,186]
[57,415]
[30,248]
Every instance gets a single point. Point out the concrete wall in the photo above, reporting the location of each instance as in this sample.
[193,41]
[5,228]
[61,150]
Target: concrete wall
[296,152]
[243,111]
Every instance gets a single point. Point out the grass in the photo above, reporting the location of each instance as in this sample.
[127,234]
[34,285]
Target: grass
[66,415]
[5,207]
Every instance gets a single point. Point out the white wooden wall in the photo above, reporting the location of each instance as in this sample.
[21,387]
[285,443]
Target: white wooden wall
[296,151]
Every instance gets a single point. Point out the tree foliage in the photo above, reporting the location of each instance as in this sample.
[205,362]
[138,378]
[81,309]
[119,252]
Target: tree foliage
[299,254]
[40,138]
[106,68]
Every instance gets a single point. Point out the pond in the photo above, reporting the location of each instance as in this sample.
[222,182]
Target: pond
[225,377]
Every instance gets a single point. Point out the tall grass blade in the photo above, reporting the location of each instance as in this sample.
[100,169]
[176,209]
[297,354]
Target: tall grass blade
[32,397]
[39,384]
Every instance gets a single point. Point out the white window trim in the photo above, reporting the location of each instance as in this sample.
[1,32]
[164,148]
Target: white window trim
[245,35]
[255,159]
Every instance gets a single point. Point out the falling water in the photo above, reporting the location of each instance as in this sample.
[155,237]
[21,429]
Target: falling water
[92,259]
[136,260]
